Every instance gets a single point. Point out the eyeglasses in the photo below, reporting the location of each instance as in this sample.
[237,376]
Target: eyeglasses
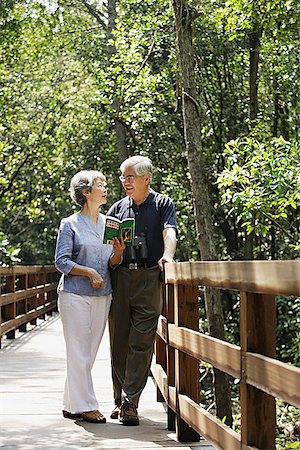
[129,178]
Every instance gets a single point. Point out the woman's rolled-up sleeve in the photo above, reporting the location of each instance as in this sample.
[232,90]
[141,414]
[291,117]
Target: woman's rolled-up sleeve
[64,248]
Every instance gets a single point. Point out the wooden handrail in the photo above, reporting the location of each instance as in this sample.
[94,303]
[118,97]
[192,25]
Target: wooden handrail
[263,277]
[27,293]
[253,362]
[23,270]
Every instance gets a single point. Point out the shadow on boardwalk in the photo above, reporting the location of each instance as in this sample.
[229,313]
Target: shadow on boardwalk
[32,373]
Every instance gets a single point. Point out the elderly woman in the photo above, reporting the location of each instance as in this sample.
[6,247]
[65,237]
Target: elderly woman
[84,291]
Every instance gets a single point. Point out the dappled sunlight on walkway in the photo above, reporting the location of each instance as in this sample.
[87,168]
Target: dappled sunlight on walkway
[32,372]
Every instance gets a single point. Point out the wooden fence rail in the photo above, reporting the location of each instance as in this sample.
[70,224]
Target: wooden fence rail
[180,347]
[26,293]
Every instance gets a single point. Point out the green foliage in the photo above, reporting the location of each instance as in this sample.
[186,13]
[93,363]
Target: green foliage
[8,253]
[287,416]
[46,124]
[261,186]
[222,43]
[288,329]
[57,112]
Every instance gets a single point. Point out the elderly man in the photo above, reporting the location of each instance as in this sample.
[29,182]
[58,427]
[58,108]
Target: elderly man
[137,299]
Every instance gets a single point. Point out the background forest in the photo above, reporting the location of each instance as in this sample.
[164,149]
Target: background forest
[208,89]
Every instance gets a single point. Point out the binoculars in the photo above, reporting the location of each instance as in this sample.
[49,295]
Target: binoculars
[138,251]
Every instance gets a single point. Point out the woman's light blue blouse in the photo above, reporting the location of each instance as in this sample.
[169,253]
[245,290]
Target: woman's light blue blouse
[80,241]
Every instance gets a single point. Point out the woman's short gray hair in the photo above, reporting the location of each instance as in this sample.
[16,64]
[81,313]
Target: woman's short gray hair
[141,164]
[82,182]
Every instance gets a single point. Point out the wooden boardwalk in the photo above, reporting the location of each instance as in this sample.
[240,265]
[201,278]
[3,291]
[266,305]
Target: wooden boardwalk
[32,373]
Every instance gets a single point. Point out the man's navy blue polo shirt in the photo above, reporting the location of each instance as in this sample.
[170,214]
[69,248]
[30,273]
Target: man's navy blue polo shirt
[156,213]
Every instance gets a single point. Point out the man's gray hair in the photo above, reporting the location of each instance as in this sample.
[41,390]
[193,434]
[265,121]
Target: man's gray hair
[83,181]
[141,164]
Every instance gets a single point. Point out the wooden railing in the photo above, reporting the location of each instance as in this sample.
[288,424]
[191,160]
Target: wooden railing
[27,293]
[180,347]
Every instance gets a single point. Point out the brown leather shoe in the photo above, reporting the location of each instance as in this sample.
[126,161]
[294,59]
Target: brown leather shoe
[116,411]
[68,415]
[93,416]
[128,414]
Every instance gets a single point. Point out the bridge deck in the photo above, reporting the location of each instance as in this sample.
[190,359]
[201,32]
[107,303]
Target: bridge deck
[32,372]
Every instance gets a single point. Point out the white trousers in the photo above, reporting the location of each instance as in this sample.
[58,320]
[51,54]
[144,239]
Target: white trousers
[83,319]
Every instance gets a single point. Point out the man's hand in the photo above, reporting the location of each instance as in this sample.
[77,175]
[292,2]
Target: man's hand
[119,248]
[163,260]
[169,237]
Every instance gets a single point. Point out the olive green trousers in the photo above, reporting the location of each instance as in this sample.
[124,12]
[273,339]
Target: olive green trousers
[136,306]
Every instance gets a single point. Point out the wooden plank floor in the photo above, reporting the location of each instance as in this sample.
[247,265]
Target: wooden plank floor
[32,372]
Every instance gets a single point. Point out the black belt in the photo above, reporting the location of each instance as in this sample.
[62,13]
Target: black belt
[134,265]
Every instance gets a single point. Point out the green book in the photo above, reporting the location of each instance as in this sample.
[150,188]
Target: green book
[117,228]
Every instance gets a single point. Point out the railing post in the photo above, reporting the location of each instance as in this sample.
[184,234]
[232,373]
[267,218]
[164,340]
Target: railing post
[42,296]
[10,310]
[170,353]
[32,282]
[22,305]
[257,335]
[186,314]
[49,294]
[1,307]
[54,277]
[160,349]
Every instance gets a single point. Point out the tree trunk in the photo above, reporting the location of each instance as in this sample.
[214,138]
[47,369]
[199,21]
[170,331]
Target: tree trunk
[276,106]
[118,125]
[254,44]
[203,216]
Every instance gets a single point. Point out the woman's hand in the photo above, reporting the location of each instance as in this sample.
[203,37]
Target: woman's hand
[95,279]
